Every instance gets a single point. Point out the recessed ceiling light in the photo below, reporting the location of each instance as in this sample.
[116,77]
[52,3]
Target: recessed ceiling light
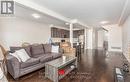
[67,23]
[104,22]
[36,15]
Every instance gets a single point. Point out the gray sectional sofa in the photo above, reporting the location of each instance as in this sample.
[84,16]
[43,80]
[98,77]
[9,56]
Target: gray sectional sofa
[40,54]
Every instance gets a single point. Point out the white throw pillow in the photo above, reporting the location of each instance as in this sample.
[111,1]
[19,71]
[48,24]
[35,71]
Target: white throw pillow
[16,56]
[55,49]
[22,54]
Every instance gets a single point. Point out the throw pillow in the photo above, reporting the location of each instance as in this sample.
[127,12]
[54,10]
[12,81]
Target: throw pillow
[27,49]
[47,48]
[37,50]
[22,54]
[16,56]
[55,49]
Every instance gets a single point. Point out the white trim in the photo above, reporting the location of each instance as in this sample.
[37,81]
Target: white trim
[123,11]
[85,35]
[71,34]
[81,23]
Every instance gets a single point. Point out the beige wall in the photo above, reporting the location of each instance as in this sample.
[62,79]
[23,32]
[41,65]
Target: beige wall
[14,31]
[126,38]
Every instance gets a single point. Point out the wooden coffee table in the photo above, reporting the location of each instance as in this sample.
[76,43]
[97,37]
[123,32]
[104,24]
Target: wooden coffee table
[52,68]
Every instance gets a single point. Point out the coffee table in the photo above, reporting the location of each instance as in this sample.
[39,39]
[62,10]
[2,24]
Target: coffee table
[65,63]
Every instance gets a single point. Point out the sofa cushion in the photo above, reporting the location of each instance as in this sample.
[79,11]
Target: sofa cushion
[30,62]
[40,55]
[47,48]
[13,49]
[37,50]
[45,58]
[16,56]
[27,49]
[55,55]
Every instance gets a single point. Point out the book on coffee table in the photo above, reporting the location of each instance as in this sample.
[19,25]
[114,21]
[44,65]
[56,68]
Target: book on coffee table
[59,68]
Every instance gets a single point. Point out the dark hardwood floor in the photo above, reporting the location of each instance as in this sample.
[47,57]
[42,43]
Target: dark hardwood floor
[94,66]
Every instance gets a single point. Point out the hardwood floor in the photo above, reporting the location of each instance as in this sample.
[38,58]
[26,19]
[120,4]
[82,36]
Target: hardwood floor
[94,66]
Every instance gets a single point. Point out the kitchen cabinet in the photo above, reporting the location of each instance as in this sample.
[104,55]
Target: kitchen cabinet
[59,33]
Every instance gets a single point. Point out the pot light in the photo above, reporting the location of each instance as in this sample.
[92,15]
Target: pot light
[36,15]
[67,23]
[104,22]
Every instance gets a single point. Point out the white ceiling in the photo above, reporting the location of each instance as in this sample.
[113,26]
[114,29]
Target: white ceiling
[90,12]
[26,13]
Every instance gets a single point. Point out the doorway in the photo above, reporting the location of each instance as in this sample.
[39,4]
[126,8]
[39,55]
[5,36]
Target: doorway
[102,39]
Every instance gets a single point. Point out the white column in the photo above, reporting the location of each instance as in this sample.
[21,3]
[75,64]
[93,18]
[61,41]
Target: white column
[71,34]
[89,38]
[85,38]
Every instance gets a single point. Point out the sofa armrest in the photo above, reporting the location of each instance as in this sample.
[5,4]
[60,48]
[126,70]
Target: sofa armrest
[13,66]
